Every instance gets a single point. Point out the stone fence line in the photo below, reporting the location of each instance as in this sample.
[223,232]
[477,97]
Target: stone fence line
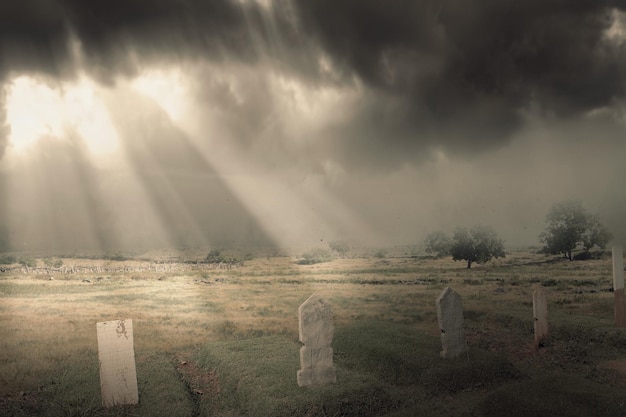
[100,269]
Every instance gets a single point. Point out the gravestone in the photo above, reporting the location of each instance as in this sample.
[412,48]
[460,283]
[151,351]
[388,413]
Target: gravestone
[450,317]
[116,354]
[316,334]
[618,286]
[540,315]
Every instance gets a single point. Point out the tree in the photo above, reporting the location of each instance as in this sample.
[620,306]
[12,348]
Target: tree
[570,226]
[437,244]
[479,244]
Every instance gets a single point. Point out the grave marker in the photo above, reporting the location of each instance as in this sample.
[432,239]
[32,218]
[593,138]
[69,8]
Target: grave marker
[450,317]
[540,315]
[618,286]
[116,354]
[316,334]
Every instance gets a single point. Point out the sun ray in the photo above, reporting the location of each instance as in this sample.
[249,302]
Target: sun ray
[36,109]
[167,88]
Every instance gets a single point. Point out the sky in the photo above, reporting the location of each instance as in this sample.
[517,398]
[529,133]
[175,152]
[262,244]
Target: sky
[133,124]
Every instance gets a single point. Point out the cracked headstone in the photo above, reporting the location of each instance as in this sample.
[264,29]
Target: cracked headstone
[450,317]
[540,316]
[618,286]
[316,334]
[116,354]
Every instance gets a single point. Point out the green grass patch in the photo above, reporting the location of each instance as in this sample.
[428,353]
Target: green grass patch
[382,368]
[393,353]
[75,390]
[479,369]
[258,377]
[386,346]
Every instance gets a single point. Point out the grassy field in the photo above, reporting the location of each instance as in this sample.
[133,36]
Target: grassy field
[224,342]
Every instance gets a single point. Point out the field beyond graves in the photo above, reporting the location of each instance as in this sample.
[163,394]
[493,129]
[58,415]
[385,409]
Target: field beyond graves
[217,341]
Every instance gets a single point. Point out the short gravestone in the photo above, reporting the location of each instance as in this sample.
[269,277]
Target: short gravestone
[540,315]
[316,334]
[118,376]
[450,317]
[618,286]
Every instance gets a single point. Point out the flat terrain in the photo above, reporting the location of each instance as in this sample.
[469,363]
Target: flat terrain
[218,341]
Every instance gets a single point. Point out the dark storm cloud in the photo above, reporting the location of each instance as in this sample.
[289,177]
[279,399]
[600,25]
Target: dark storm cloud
[118,36]
[466,70]
[110,31]
[33,37]
[456,74]
[121,37]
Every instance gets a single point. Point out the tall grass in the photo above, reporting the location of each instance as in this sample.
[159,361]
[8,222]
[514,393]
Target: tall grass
[237,331]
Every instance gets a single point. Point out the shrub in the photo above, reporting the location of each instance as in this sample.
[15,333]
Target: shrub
[53,262]
[27,261]
[114,256]
[316,256]
[340,247]
[215,256]
[7,260]
[380,253]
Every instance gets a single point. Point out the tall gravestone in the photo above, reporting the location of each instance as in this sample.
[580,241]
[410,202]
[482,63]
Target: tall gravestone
[316,334]
[540,316]
[450,317]
[116,353]
[618,286]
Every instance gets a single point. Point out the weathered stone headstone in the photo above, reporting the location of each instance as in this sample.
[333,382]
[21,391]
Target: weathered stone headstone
[316,334]
[540,315]
[450,317]
[618,286]
[116,353]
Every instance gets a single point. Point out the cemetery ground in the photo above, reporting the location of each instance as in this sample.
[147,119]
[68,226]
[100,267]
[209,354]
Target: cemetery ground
[224,342]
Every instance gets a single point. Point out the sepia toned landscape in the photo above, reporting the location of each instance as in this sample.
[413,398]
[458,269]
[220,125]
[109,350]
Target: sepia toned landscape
[433,190]
[212,339]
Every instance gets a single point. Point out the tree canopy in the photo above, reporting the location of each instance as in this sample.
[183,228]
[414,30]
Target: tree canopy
[570,225]
[437,244]
[479,244]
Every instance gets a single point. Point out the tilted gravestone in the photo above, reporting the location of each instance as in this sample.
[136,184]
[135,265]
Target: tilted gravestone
[618,286]
[316,334]
[450,317]
[540,315]
[118,376]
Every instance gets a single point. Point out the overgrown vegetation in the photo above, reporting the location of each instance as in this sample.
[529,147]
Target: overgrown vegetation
[437,244]
[27,261]
[570,226]
[115,256]
[215,256]
[53,262]
[340,247]
[478,245]
[7,259]
[225,342]
[316,256]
